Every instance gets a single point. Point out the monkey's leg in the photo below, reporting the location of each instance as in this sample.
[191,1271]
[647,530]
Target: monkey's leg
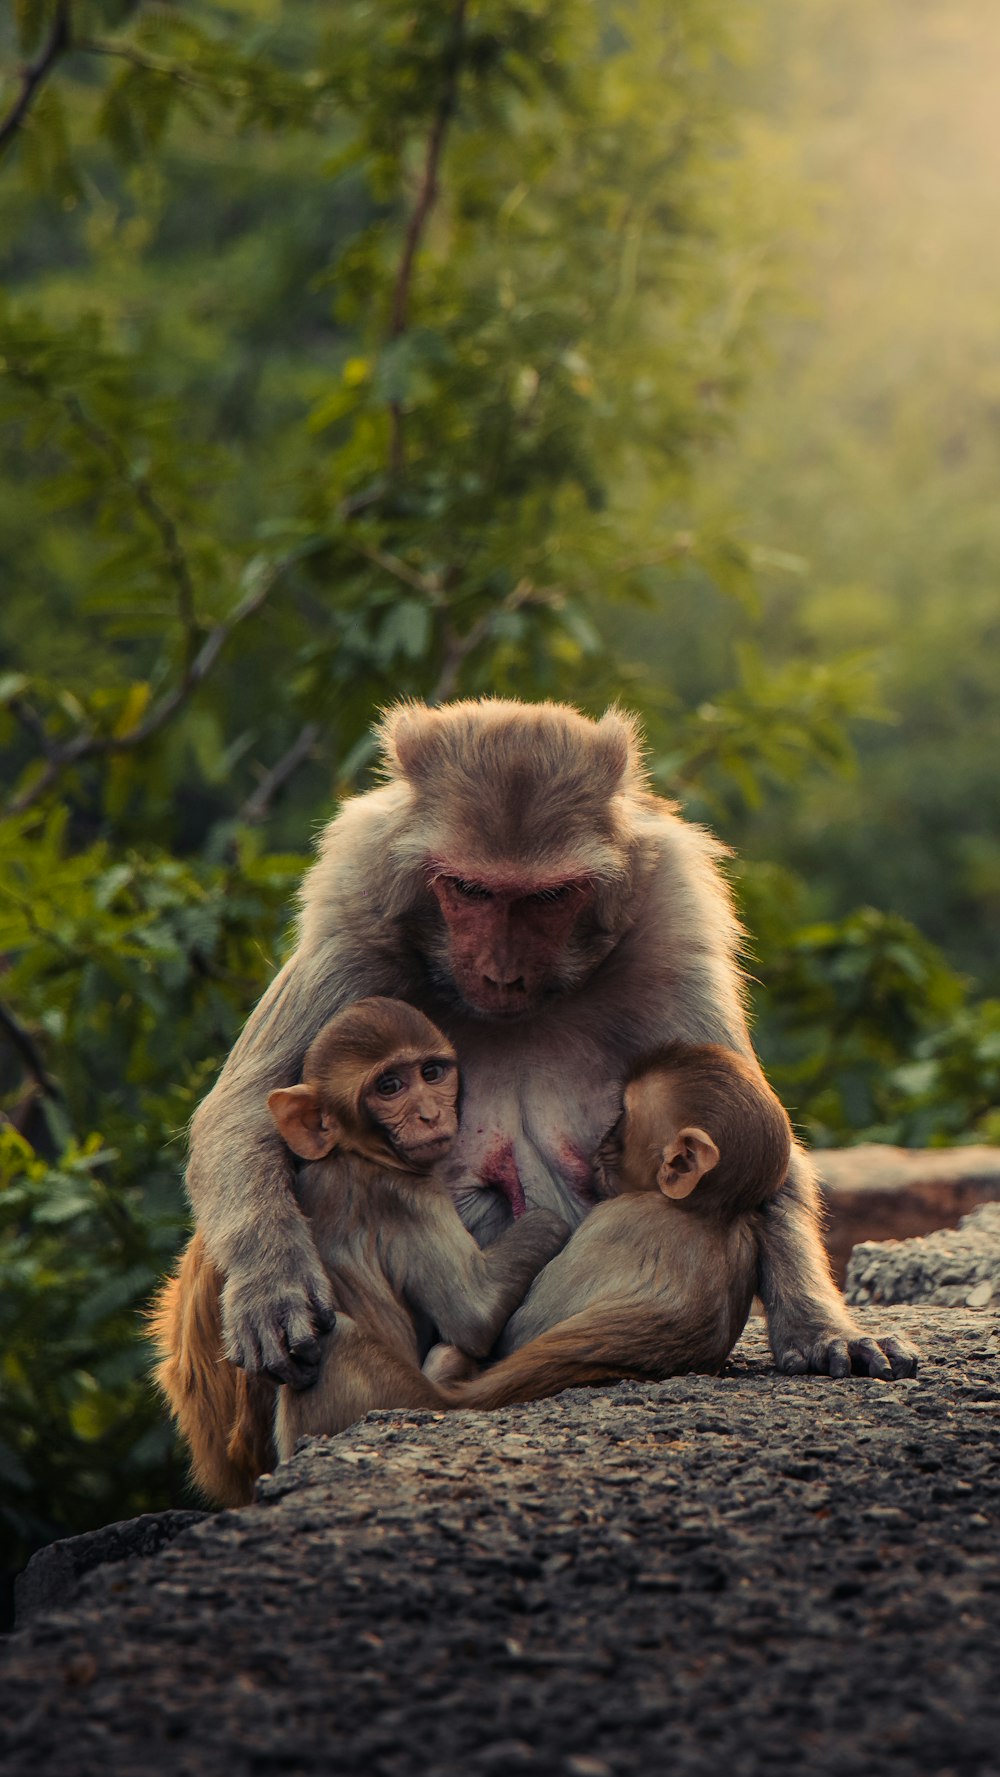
[356,1374]
[223,1416]
[808,1322]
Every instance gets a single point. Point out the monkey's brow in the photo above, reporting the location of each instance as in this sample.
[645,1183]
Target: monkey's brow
[509,874]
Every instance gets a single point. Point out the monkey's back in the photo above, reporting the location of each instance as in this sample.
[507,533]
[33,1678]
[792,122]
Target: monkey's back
[641,1249]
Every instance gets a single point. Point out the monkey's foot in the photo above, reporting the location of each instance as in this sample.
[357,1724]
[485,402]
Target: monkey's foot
[850,1354]
[274,1323]
[448,1363]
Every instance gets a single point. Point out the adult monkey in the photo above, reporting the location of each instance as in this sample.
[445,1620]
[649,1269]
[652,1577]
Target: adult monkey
[517,881]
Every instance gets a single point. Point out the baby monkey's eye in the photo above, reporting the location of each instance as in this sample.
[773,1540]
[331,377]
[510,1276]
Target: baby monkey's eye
[433,1071]
[387,1085]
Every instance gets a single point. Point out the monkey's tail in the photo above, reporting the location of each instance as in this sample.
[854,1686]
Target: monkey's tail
[606,1344]
[224,1415]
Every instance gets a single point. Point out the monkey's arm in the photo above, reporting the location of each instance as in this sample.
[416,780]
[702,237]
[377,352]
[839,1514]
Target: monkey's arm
[808,1322]
[469,1293]
[276,1297]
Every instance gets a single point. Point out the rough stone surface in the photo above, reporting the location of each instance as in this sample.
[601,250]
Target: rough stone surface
[877,1192]
[53,1575]
[749,1574]
[959,1267]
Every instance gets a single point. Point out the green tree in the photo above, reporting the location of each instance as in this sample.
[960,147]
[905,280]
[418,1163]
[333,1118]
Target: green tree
[338,363]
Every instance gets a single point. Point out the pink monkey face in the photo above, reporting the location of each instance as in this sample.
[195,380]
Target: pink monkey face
[511,944]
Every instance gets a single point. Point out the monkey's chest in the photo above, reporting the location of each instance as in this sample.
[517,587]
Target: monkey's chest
[527,1138]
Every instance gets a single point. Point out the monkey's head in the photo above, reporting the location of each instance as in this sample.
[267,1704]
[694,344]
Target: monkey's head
[699,1123]
[517,842]
[379,1080]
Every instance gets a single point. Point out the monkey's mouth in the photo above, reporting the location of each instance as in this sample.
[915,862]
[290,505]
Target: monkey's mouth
[428,1150]
[504,1007]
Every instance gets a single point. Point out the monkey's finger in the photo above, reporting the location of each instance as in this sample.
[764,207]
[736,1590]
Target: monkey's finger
[242,1347]
[324,1316]
[295,1360]
[869,1360]
[903,1356]
[793,1362]
[836,1358]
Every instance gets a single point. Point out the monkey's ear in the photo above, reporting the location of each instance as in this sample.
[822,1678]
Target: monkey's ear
[409,735]
[306,1126]
[616,747]
[685,1162]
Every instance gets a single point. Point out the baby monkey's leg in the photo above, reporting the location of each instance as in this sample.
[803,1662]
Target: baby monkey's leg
[356,1374]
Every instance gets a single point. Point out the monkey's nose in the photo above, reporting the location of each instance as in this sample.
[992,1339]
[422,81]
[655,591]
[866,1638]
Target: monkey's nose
[515,986]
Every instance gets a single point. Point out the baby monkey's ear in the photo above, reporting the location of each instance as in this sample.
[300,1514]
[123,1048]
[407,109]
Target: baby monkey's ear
[309,1129]
[685,1161]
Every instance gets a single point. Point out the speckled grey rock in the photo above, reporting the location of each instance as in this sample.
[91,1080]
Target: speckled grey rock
[957,1267]
[753,1574]
[878,1192]
[52,1576]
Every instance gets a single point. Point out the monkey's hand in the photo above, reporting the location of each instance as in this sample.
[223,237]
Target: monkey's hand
[272,1318]
[840,1351]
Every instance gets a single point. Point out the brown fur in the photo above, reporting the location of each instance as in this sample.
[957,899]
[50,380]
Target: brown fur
[651,1286]
[393,1249]
[499,793]
[223,1415]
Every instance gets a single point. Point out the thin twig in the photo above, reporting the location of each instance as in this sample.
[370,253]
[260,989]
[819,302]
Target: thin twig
[29,719]
[34,74]
[426,199]
[89,745]
[458,648]
[138,484]
[23,1041]
[399,569]
[146,500]
[258,805]
[125,52]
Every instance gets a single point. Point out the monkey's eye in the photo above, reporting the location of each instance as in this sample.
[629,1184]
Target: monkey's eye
[433,1071]
[473,891]
[557,893]
[611,1144]
[387,1085]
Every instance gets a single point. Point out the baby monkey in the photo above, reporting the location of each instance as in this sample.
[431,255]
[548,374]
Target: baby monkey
[659,1279]
[376,1109]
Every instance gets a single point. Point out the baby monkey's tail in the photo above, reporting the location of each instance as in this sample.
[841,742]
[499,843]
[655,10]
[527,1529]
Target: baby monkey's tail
[605,1344]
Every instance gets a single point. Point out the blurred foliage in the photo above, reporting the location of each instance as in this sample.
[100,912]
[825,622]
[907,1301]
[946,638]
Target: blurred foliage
[355,351]
[861,476]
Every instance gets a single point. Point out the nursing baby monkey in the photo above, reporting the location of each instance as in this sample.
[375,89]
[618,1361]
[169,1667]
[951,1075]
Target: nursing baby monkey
[374,1113]
[658,1280]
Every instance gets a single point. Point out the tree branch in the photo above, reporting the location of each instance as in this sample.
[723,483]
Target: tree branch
[258,805]
[90,746]
[23,1041]
[34,74]
[426,199]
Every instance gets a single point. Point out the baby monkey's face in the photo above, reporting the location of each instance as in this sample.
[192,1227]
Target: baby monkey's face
[414,1101]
